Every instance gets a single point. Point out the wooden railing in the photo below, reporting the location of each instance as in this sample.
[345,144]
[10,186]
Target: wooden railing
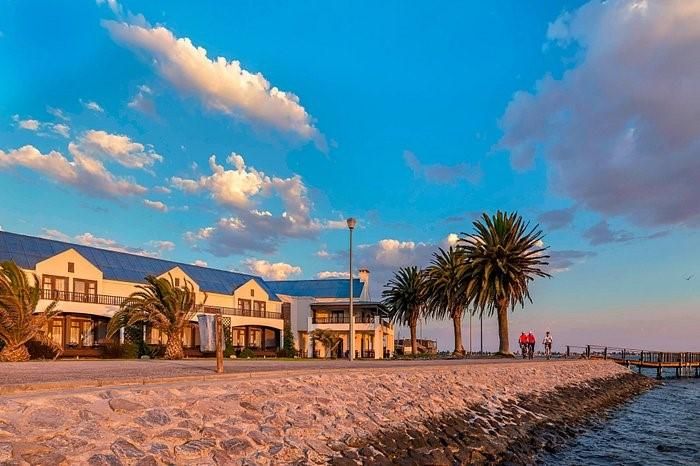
[342,320]
[75,297]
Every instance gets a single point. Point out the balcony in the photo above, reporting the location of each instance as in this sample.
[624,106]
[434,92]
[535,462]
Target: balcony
[75,297]
[234,311]
[342,319]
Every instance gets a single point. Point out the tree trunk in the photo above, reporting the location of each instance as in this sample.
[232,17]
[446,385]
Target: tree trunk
[173,349]
[457,322]
[503,341]
[414,339]
[18,353]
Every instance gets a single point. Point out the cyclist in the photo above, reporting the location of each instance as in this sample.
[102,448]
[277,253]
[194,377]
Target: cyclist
[531,345]
[523,344]
[547,342]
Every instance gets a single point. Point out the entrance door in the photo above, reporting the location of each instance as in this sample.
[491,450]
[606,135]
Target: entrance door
[340,353]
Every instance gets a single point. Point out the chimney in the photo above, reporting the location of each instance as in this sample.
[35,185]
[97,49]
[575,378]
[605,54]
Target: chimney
[364,278]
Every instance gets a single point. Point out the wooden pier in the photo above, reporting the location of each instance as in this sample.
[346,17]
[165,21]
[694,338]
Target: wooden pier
[685,364]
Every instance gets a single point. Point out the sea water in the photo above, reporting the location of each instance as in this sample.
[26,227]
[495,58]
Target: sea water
[660,427]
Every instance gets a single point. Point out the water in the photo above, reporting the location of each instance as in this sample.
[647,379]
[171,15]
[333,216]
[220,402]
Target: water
[661,427]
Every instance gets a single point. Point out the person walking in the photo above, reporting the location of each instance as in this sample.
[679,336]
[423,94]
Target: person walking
[547,342]
[531,344]
[523,344]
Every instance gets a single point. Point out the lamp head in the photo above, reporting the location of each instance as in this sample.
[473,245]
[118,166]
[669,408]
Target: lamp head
[351,223]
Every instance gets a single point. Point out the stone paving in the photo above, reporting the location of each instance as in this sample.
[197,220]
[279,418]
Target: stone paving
[307,418]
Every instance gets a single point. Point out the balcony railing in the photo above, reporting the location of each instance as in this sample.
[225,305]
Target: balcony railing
[235,311]
[342,320]
[75,297]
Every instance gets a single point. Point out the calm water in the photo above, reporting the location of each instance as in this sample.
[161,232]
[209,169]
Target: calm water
[660,427]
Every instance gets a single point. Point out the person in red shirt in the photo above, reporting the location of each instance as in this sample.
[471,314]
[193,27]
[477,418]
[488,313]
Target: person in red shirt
[523,344]
[531,344]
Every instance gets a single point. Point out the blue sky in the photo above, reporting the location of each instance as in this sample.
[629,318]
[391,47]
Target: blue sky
[410,116]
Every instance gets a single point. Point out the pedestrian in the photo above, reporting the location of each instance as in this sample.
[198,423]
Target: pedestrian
[531,344]
[547,342]
[523,344]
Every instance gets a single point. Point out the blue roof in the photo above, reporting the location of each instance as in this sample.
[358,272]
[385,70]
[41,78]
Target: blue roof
[326,288]
[27,251]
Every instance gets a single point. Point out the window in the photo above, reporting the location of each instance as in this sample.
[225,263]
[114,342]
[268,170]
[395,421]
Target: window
[239,337]
[252,292]
[177,282]
[254,338]
[56,330]
[85,290]
[71,267]
[259,306]
[244,304]
[57,285]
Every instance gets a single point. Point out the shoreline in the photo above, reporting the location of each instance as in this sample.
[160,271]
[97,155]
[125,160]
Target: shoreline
[304,418]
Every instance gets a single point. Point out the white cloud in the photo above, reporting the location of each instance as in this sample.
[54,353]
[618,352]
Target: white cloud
[200,263]
[222,85]
[619,130]
[58,113]
[83,172]
[162,245]
[92,105]
[438,173]
[61,129]
[117,147]
[28,124]
[143,102]
[89,239]
[276,271]
[155,205]
[332,274]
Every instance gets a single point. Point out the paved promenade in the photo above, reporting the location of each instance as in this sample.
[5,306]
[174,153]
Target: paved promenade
[66,374]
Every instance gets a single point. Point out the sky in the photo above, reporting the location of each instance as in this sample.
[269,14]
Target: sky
[241,136]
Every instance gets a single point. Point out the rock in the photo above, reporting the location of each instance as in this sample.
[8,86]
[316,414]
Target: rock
[237,446]
[45,458]
[126,449]
[134,435]
[149,460]
[101,459]
[122,405]
[47,418]
[194,448]
[5,451]
[177,433]
[154,417]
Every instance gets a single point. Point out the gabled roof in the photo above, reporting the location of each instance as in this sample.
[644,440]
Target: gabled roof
[325,288]
[27,251]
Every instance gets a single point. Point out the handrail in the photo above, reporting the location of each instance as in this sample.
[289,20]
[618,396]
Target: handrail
[92,298]
[636,355]
[342,320]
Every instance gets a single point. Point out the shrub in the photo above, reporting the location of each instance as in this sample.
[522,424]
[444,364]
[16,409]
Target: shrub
[246,353]
[40,350]
[116,350]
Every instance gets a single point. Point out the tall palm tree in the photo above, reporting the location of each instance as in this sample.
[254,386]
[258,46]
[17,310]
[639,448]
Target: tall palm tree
[404,297]
[447,279]
[19,321]
[163,306]
[505,255]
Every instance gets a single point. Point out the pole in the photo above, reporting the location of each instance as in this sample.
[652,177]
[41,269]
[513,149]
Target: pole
[352,314]
[481,338]
[219,334]
[470,333]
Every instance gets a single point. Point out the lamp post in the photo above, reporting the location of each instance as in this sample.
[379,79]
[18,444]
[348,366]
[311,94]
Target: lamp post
[351,226]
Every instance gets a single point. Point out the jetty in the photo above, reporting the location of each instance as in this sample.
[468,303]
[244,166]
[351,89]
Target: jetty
[685,364]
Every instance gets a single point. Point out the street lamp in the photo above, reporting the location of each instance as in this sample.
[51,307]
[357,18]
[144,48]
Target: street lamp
[351,226]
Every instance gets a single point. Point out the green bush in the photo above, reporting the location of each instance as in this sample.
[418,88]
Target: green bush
[116,350]
[40,350]
[246,353]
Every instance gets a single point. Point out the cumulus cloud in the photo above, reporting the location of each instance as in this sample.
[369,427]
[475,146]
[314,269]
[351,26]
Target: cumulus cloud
[558,218]
[619,128]
[200,263]
[601,233]
[82,172]
[442,174]
[251,228]
[162,245]
[562,261]
[332,274]
[222,85]
[58,113]
[61,129]
[276,271]
[117,147]
[89,239]
[155,205]
[29,124]
[93,106]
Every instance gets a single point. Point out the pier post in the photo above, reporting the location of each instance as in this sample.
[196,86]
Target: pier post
[588,352]
[623,356]
[605,353]
[659,372]
[641,361]
[568,352]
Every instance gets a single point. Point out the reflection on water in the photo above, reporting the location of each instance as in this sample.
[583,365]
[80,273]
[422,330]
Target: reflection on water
[660,427]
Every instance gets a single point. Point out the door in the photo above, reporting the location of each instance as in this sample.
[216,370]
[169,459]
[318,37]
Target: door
[85,290]
[58,287]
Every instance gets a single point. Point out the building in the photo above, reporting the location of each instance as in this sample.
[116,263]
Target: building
[324,304]
[90,284]
[403,346]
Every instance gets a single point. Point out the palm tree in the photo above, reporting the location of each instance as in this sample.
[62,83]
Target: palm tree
[447,279]
[19,321]
[163,306]
[505,255]
[404,297]
[328,338]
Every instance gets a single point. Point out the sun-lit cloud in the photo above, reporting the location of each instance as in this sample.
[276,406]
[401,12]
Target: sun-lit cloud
[155,205]
[89,239]
[58,113]
[272,271]
[618,129]
[200,263]
[332,274]
[162,245]
[222,85]
[82,172]
[92,106]
[118,147]
[29,124]
[143,101]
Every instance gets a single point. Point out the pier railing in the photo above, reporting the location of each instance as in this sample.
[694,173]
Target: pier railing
[683,362]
